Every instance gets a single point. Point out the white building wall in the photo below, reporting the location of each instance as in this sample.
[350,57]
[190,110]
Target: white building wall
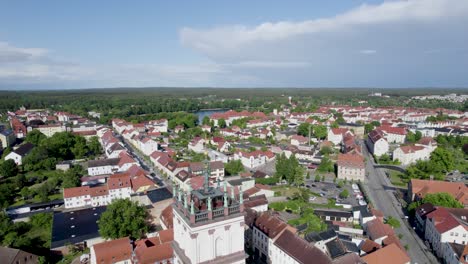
[206,242]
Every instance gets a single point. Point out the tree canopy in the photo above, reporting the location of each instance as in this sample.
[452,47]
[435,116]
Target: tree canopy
[437,199]
[289,169]
[123,218]
[234,167]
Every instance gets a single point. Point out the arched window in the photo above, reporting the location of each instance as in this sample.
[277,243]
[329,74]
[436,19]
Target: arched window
[219,247]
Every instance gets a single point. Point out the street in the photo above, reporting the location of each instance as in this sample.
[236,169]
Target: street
[156,177]
[381,195]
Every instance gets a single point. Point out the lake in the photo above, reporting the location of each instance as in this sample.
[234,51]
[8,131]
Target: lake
[202,113]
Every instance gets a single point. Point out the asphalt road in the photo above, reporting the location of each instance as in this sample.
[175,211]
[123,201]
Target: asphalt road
[148,167]
[382,197]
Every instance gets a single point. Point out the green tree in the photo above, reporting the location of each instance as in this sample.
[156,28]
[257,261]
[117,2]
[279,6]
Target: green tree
[35,137]
[410,137]
[234,167]
[442,160]
[326,165]
[123,218]
[71,179]
[303,129]
[340,184]
[417,136]
[344,194]
[437,199]
[317,178]
[320,131]
[8,168]
[94,146]
[393,222]
[368,128]
[221,123]
[298,176]
[206,120]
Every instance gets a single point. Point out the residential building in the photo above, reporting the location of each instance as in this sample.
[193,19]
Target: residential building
[290,248]
[297,140]
[446,225]
[17,256]
[50,130]
[335,135]
[255,158]
[390,254]
[266,230]
[411,154]
[7,138]
[351,167]
[394,134]
[418,189]
[103,166]
[377,143]
[18,154]
[455,253]
[197,145]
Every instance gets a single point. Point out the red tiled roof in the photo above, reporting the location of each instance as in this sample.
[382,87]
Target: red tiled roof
[421,188]
[270,225]
[369,246]
[76,191]
[411,149]
[155,249]
[391,254]
[118,181]
[113,251]
[167,216]
[350,160]
[376,229]
[99,191]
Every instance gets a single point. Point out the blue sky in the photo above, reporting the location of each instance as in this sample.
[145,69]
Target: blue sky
[333,43]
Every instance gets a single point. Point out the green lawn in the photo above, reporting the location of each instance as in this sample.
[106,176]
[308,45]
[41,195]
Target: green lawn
[396,179]
[287,191]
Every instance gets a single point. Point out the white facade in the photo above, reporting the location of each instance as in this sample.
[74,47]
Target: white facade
[351,173]
[18,159]
[210,241]
[378,148]
[107,169]
[411,157]
[457,235]
[252,161]
[78,201]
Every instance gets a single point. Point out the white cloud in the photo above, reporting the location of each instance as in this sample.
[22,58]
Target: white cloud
[9,53]
[330,49]
[368,51]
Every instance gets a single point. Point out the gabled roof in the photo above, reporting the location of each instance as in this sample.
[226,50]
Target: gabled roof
[113,251]
[300,250]
[423,187]
[118,181]
[370,246]
[155,249]
[350,160]
[76,191]
[391,254]
[377,229]
[270,225]
[24,149]
[444,221]
[167,216]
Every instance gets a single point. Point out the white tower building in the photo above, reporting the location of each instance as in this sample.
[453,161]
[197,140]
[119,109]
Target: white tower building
[208,225]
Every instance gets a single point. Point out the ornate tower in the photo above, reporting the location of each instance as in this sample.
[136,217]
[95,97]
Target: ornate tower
[208,225]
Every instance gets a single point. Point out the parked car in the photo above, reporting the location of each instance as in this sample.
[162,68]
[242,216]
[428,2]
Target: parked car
[312,166]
